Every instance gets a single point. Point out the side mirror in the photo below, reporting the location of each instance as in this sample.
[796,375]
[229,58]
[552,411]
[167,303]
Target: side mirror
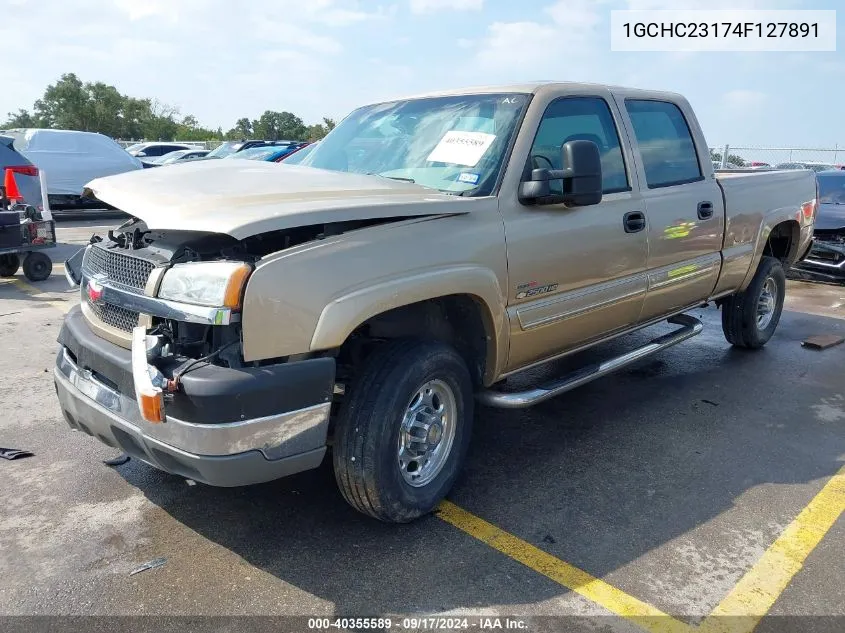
[580,173]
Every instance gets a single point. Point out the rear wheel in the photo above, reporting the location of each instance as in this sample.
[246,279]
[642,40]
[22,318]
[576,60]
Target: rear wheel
[9,265]
[37,266]
[750,318]
[403,430]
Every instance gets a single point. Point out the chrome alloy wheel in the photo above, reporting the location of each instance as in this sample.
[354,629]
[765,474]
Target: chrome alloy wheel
[427,433]
[766,303]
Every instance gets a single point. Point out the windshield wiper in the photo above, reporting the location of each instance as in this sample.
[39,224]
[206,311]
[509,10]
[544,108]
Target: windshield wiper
[400,178]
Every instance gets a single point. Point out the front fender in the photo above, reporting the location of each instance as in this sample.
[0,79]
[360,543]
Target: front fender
[312,296]
[345,313]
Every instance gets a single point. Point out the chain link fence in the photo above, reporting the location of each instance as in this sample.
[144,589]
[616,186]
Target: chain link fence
[729,156]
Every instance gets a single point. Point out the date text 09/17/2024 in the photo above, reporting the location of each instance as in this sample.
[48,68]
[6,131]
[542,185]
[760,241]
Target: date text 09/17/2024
[420,623]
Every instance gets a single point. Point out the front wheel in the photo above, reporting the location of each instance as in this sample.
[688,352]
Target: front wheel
[749,318]
[403,430]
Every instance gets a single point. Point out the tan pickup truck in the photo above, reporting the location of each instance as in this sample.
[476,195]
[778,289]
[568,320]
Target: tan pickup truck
[252,315]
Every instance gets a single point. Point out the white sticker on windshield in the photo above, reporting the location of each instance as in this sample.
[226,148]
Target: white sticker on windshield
[461,148]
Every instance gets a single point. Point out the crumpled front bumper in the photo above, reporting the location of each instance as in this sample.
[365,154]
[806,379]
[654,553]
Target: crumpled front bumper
[268,424]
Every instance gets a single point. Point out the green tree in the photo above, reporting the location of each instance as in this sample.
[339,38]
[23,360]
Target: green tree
[319,130]
[242,130]
[72,104]
[65,104]
[105,109]
[21,118]
[275,126]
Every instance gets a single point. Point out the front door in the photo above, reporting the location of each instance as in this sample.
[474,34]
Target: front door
[575,273]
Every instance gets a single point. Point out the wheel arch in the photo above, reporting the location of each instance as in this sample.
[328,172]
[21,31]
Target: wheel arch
[447,304]
[779,237]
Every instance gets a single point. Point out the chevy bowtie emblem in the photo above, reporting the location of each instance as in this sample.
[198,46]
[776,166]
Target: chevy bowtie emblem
[95,291]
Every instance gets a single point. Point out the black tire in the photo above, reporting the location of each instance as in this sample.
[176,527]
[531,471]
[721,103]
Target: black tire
[37,266]
[367,433]
[9,265]
[739,311]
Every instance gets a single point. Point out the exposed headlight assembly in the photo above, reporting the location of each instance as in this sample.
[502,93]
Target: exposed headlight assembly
[212,284]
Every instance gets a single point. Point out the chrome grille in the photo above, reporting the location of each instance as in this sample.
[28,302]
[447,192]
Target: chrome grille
[116,317]
[124,270]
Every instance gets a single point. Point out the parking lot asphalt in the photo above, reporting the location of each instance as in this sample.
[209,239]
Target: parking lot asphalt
[704,478]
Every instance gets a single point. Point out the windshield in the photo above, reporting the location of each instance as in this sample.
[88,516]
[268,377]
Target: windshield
[831,189]
[454,144]
[135,147]
[224,149]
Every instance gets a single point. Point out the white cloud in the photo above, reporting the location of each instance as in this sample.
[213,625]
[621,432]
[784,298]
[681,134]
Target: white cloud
[167,9]
[577,14]
[744,99]
[514,44]
[296,36]
[680,5]
[430,6]
[545,45]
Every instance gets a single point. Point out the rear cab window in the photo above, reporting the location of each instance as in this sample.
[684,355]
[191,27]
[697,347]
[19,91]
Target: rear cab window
[665,143]
[580,118]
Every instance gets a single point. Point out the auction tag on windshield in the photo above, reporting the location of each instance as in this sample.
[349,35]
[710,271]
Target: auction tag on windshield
[461,148]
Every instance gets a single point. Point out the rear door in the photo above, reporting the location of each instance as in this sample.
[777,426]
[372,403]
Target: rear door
[683,202]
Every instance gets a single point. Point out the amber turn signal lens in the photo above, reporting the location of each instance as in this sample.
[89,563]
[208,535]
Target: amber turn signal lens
[235,286]
[151,406]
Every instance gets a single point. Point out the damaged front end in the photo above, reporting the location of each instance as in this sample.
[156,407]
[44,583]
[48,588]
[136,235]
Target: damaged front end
[151,360]
[826,259]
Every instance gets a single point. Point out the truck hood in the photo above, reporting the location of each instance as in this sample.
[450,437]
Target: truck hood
[244,197]
[830,216]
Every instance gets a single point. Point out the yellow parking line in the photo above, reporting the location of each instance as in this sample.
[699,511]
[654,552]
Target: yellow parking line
[758,590]
[739,612]
[31,290]
[617,602]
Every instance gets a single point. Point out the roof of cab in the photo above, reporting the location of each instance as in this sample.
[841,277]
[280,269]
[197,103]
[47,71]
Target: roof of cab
[531,87]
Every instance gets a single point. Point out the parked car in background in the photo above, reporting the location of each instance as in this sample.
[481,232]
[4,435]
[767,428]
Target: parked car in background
[272,153]
[24,172]
[298,155]
[810,165]
[179,156]
[231,147]
[827,257]
[155,150]
[70,159]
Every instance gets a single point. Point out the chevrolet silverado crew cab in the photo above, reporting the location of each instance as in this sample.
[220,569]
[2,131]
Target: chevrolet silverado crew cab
[250,316]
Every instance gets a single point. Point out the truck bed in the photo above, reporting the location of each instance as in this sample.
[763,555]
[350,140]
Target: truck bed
[748,197]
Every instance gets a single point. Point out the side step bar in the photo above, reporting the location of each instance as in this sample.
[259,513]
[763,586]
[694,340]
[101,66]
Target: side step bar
[521,399]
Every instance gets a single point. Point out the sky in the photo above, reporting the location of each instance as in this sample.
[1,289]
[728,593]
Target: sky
[221,59]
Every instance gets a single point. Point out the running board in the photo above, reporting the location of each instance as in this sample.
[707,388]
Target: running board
[521,399]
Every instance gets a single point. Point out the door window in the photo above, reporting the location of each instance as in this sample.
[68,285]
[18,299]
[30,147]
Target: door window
[665,143]
[580,118]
